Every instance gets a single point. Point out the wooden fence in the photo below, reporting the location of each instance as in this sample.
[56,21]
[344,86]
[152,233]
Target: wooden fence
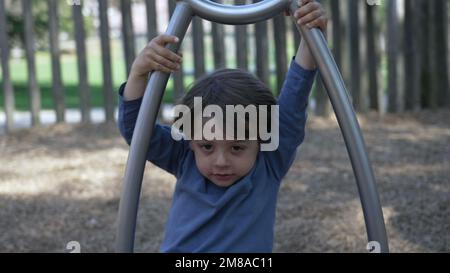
[356,30]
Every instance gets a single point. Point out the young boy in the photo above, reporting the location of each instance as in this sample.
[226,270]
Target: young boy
[226,190]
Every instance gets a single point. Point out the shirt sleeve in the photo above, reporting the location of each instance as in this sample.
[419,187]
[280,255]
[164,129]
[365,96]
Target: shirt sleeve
[292,102]
[164,151]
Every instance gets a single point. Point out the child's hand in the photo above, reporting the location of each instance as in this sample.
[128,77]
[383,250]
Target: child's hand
[156,57]
[311,14]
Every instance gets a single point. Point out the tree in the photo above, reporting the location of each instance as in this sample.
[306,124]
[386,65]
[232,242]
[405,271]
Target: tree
[15,21]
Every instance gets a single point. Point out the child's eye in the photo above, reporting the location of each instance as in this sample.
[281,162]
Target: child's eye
[237,148]
[206,147]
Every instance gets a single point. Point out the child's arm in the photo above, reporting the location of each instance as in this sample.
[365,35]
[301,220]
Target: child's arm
[294,95]
[311,14]
[153,57]
[163,150]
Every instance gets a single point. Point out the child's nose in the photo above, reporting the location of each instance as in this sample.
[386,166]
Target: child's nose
[221,160]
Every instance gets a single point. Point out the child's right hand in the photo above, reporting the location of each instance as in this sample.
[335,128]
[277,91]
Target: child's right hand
[155,57]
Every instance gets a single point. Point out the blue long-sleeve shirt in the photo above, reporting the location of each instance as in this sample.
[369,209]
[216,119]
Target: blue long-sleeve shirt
[240,218]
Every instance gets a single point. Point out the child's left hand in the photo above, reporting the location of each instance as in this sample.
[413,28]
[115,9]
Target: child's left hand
[311,14]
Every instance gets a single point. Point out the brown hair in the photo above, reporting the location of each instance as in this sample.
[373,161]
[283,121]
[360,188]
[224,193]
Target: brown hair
[229,87]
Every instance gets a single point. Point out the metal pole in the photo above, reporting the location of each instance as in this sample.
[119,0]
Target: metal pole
[333,82]
[237,15]
[373,215]
[145,123]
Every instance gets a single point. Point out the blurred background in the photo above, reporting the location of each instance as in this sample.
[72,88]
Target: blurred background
[62,159]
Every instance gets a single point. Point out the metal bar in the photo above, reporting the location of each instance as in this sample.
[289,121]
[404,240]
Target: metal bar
[337,92]
[373,215]
[237,15]
[145,123]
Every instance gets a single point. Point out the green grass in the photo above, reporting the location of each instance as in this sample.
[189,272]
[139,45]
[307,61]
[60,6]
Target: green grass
[19,77]
[19,74]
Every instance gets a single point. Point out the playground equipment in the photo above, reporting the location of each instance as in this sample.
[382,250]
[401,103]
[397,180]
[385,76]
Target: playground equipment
[235,15]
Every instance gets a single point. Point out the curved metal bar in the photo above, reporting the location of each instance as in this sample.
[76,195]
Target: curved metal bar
[373,215]
[134,172]
[334,84]
[237,15]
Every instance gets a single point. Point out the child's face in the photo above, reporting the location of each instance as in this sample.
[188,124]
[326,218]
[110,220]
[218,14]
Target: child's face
[225,161]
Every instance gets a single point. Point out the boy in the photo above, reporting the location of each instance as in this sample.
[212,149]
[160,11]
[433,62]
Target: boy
[226,190]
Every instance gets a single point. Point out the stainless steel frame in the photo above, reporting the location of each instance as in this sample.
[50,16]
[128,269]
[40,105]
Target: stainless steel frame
[181,18]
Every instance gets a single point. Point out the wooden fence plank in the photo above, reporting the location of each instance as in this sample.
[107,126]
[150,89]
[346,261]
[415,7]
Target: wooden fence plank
[241,36]
[372,57]
[106,61]
[411,53]
[279,30]
[218,36]
[127,34]
[262,49]
[441,74]
[33,87]
[353,38]
[80,38]
[392,49]
[337,31]
[152,24]
[323,106]
[57,85]
[296,35]
[198,46]
[8,92]
[178,84]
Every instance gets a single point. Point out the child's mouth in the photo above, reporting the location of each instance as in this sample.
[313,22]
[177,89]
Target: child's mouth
[223,177]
